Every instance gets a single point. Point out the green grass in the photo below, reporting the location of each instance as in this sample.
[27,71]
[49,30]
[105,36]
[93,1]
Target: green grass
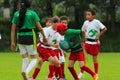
[109,67]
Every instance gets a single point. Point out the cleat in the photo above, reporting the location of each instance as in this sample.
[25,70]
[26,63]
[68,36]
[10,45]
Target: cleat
[81,75]
[95,77]
[24,76]
[61,79]
[49,78]
[54,78]
[31,78]
[64,77]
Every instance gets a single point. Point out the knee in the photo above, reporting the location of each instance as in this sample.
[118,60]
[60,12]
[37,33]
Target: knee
[82,65]
[70,67]
[56,63]
[33,56]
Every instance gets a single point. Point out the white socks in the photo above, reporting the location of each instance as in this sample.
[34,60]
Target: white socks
[31,65]
[24,64]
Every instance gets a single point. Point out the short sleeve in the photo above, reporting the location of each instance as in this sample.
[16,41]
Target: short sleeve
[46,32]
[36,17]
[100,25]
[83,27]
[15,18]
[58,37]
[74,31]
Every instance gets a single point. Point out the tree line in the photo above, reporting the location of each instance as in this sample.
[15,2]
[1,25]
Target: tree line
[108,11]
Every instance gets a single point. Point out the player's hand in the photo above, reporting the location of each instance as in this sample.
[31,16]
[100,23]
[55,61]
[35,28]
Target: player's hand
[97,38]
[13,47]
[83,44]
[64,52]
[45,40]
[55,45]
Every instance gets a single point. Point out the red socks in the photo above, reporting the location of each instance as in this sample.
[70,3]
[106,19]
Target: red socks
[36,71]
[73,72]
[82,71]
[62,67]
[52,70]
[59,72]
[96,67]
[87,69]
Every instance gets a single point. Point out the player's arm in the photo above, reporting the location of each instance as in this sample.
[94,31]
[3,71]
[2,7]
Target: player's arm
[74,31]
[102,28]
[79,32]
[57,41]
[101,33]
[54,45]
[83,36]
[41,31]
[13,29]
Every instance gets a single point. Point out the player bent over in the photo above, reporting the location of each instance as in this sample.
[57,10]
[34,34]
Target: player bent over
[73,38]
[49,51]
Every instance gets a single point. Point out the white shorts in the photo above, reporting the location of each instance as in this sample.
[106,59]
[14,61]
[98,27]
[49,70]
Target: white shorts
[27,49]
[62,59]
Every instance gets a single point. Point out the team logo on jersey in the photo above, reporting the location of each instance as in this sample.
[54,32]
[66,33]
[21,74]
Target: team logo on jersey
[54,41]
[92,33]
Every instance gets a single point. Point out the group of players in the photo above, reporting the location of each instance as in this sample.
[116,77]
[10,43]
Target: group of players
[48,48]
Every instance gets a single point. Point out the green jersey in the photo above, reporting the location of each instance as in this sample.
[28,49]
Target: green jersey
[74,39]
[29,23]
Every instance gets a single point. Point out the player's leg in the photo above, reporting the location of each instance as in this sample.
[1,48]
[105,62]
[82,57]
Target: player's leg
[24,65]
[71,69]
[71,63]
[95,60]
[80,58]
[86,50]
[62,68]
[95,51]
[32,63]
[62,61]
[51,69]
[81,74]
[37,69]
[33,59]
[51,65]
[25,61]
[87,69]
[58,67]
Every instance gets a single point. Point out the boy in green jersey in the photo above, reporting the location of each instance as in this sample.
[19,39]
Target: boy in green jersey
[74,39]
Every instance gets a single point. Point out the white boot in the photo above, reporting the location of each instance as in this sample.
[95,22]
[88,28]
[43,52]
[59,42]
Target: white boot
[81,75]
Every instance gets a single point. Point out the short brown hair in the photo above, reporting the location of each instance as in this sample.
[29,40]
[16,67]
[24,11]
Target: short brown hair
[49,19]
[92,11]
[64,18]
[55,19]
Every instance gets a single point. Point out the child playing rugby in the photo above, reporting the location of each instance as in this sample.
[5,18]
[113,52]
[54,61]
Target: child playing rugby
[49,52]
[64,20]
[94,29]
[73,37]
[25,21]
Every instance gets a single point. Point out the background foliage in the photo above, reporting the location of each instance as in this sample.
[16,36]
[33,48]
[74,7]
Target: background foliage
[107,11]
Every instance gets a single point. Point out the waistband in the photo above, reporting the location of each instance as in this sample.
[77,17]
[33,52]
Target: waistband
[91,40]
[25,30]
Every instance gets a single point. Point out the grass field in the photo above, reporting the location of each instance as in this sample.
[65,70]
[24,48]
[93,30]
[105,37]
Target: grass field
[109,67]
